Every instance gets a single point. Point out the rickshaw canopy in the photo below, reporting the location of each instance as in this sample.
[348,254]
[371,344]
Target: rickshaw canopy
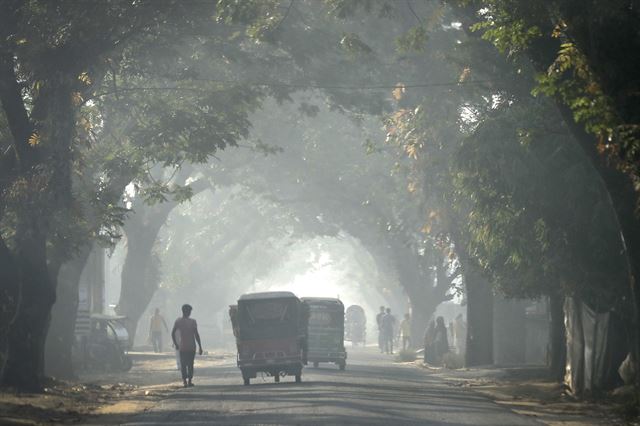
[269,315]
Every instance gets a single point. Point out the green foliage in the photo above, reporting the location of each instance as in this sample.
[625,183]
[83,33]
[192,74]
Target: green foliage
[139,103]
[530,206]
[349,8]
[266,149]
[570,79]
[587,52]
[511,25]
[509,37]
[352,43]
[261,17]
[413,40]
[505,180]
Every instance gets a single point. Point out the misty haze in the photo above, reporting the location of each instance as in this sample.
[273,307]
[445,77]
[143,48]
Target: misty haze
[371,212]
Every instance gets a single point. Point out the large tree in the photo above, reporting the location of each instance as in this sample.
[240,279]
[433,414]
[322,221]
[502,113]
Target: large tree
[53,59]
[585,56]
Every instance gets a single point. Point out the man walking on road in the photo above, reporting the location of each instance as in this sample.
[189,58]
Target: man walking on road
[388,325]
[380,334]
[155,330]
[188,329]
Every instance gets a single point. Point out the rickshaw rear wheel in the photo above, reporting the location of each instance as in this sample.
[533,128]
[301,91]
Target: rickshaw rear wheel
[276,377]
[342,365]
[298,377]
[247,381]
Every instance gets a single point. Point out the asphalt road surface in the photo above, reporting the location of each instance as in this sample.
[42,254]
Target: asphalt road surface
[372,391]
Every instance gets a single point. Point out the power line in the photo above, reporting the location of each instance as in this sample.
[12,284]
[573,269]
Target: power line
[284,18]
[413,12]
[343,87]
[283,85]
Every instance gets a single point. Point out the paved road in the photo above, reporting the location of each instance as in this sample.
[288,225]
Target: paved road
[372,391]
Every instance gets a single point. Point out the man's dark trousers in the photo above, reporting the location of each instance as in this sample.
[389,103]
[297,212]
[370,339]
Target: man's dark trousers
[186,364]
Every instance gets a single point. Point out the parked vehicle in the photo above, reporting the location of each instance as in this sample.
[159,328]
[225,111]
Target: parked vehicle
[326,331]
[271,334]
[106,345]
[355,325]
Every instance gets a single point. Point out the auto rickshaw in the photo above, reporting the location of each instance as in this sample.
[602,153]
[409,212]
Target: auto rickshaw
[271,334]
[326,331]
[355,325]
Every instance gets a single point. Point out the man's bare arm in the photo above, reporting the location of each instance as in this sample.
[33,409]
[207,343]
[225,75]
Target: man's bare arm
[198,340]
[173,337]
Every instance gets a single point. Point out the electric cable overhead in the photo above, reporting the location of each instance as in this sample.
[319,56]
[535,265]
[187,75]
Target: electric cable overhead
[345,87]
[300,86]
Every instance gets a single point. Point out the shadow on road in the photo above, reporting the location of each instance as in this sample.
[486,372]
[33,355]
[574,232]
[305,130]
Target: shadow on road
[372,391]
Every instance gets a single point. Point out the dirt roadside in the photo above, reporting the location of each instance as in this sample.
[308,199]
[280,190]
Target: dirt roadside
[100,398]
[529,391]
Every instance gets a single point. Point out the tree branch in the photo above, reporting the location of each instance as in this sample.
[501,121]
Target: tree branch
[14,108]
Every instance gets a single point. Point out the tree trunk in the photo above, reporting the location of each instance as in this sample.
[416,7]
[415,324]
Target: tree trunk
[425,297]
[139,273]
[623,197]
[61,336]
[422,311]
[557,338]
[426,290]
[479,319]
[9,299]
[25,365]
[137,287]
[49,194]
[423,304]
[622,200]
